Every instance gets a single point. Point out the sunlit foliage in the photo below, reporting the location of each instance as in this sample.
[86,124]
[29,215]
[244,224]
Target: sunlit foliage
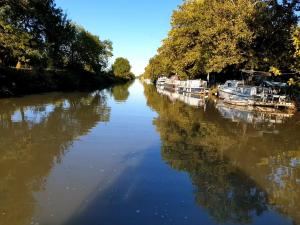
[122,69]
[37,34]
[212,36]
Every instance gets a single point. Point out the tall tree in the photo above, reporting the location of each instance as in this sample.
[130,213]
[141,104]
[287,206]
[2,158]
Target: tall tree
[88,52]
[17,42]
[38,33]
[296,65]
[122,69]
[158,66]
[272,25]
[212,36]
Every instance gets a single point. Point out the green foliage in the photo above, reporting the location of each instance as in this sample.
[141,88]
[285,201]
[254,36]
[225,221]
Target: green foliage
[38,30]
[38,34]
[210,36]
[275,71]
[122,69]
[88,51]
[16,82]
[295,81]
[156,68]
[272,25]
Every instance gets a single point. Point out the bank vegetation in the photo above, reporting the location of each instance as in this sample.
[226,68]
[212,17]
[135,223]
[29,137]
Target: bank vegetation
[41,49]
[222,37]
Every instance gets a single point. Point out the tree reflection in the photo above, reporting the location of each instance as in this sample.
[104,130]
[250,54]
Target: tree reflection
[120,92]
[35,133]
[240,169]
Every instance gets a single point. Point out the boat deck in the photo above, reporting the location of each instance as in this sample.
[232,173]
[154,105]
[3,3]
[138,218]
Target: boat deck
[275,104]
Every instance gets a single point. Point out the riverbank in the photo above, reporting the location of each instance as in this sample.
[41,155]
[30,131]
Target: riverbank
[18,82]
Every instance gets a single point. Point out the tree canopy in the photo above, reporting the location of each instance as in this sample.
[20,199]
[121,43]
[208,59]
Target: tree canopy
[210,36]
[296,65]
[122,68]
[39,34]
[88,51]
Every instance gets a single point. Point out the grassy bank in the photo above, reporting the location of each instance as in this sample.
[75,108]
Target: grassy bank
[15,82]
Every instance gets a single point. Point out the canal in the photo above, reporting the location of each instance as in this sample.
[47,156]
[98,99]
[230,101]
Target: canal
[129,155]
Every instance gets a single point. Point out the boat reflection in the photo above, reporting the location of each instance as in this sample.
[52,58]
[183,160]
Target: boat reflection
[250,114]
[187,98]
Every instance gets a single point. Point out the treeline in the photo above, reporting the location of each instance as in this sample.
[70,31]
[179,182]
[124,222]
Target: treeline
[219,36]
[37,35]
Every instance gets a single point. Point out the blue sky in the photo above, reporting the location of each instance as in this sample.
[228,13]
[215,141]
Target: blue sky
[135,27]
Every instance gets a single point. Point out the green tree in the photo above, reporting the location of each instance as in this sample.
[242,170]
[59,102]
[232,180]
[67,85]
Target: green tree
[296,66]
[122,69]
[16,44]
[272,24]
[206,36]
[216,36]
[158,66]
[38,31]
[89,52]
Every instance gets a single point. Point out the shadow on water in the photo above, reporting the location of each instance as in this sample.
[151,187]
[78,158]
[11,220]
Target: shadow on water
[142,196]
[240,170]
[36,131]
[129,200]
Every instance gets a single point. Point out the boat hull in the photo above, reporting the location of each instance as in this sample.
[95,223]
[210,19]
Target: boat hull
[228,94]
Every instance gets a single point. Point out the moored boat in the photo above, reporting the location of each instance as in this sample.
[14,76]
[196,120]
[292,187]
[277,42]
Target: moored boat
[236,88]
[161,81]
[197,87]
[269,94]
[194,86]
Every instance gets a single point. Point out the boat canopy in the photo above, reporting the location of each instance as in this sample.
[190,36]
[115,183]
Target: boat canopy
[233,83]
[273,84]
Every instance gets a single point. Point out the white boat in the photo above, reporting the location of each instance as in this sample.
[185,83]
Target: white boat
[147,81]
[188,86]
[193,86]
[269,95]
[172,84]
[236,89]
[161,81]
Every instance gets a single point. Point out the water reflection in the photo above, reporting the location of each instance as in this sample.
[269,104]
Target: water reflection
[120,92]
[254,115]
[59,165]
[187,98]
[35,133]
[241,168]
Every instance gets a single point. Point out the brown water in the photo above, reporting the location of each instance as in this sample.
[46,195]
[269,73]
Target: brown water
[129,155]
